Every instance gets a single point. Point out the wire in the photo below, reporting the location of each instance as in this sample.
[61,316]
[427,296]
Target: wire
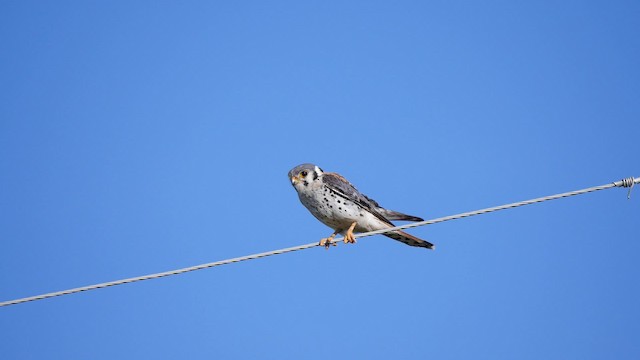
[628,182]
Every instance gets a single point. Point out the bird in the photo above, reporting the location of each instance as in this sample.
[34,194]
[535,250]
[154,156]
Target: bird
[334,201]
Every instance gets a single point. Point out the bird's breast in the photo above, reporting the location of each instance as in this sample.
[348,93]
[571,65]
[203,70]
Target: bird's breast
[334,209]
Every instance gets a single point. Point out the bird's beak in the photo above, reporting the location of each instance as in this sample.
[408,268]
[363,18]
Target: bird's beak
[294,179]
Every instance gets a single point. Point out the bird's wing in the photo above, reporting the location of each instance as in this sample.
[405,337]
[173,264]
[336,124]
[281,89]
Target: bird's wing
[395,215]
[347,190]
[344,189]
[390,214]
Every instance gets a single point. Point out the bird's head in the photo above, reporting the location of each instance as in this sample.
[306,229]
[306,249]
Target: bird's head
[303,175]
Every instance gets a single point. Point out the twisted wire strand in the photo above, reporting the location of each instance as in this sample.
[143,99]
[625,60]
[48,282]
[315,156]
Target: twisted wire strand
[628,182]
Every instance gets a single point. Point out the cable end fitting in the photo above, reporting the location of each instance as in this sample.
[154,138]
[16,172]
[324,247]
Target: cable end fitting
[628,183]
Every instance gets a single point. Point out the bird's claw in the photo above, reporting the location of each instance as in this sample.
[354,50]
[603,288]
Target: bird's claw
[348,237]
[328,242]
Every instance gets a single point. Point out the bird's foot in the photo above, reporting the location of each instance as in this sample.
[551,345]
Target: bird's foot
[348,237]
[327,242]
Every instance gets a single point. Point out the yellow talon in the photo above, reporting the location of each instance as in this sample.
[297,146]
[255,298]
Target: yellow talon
[327,242]
[348,237]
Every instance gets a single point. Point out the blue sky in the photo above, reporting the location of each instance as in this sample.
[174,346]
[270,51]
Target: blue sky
[139,137]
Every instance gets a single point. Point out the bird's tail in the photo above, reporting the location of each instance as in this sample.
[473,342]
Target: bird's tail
[409,239]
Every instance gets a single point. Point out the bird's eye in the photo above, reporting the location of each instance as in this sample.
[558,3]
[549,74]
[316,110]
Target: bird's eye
[304,173]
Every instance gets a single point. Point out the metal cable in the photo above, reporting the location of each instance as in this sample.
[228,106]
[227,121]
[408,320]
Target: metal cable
[628,182]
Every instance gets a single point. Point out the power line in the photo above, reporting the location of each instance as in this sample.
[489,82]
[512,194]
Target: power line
[628,182]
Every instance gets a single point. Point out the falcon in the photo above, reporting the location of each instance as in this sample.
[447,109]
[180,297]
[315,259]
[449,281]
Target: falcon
[339,205]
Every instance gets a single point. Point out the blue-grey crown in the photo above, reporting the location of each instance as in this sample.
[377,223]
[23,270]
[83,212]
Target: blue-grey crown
[296,170]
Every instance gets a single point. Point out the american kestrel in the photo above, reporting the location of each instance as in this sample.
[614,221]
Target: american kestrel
[339,205]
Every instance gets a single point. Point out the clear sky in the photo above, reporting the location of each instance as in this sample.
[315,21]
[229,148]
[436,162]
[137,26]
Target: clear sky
[143,136]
